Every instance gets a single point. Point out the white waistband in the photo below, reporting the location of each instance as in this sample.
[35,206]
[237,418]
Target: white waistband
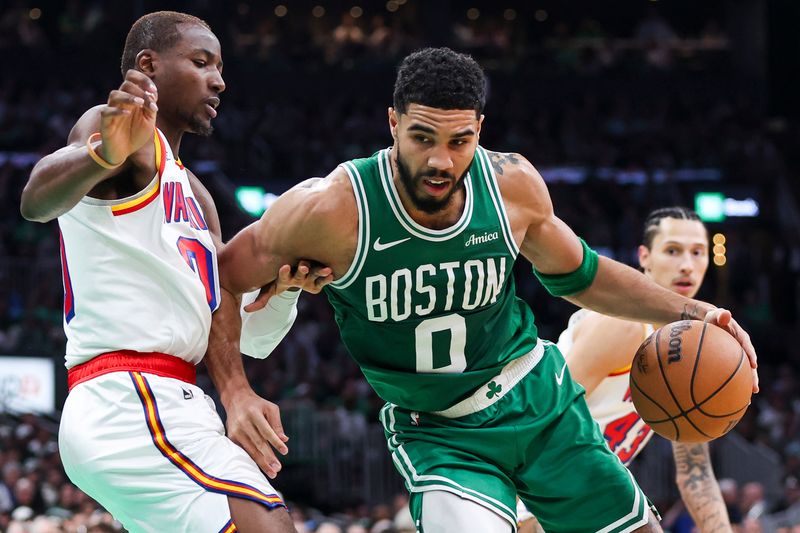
[498,386]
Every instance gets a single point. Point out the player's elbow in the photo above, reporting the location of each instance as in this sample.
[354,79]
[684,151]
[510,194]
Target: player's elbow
[30,209]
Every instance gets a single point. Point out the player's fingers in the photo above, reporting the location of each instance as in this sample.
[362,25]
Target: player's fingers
[261,300]
[302,270]
[755,381]
[244,431]
[321,272]
[108,112]
[122,98]
[319,283]
[267,439]
[262,459]
[285,275]
[721,317]
[274,417]
[261,421]
[140,80]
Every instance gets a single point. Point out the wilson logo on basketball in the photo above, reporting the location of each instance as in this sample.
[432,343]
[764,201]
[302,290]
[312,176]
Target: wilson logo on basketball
[641,361]
[674,354]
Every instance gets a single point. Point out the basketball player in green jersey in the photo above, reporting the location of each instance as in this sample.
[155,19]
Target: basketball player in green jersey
[422,238]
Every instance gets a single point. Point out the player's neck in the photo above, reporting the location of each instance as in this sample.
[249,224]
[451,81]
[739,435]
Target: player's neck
[172,133]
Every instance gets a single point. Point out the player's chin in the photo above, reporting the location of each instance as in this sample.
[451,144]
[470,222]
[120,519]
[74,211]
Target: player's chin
[201,126]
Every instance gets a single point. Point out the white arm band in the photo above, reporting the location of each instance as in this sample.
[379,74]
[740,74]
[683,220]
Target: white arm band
[265,328]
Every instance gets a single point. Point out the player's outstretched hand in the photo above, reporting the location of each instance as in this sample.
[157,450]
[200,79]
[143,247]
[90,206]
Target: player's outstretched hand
[307,277]
[255,424]
[128,119]
[722,318]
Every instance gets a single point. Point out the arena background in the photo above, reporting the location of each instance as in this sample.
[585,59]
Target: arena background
[623,106]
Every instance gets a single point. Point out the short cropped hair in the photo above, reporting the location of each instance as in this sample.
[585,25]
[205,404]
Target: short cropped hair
[440,78]
[157,31]
[655,217]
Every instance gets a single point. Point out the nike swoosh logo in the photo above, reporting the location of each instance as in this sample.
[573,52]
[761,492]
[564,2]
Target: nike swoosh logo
[560,376]
[378,246]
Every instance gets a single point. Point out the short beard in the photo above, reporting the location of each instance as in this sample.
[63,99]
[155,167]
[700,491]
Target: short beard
[198,128]
[425,204]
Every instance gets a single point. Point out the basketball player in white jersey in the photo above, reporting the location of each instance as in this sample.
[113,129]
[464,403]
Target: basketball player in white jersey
[139,238]
[599,350]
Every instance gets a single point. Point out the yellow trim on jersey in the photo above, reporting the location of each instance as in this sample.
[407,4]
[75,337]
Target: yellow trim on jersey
[150,194]
[626,369]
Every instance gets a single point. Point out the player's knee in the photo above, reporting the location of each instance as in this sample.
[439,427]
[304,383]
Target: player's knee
[252,517]
[444,511]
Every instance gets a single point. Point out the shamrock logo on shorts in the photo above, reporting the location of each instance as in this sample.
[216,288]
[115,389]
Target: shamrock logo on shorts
[494,389]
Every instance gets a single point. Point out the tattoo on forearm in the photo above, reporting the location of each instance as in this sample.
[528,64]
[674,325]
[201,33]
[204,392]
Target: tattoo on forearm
[690,312]
[499,160]
[699,488]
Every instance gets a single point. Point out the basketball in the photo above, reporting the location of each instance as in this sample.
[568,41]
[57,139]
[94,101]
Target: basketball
[691,381]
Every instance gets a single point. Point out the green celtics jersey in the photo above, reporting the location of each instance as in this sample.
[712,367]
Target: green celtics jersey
[430,315]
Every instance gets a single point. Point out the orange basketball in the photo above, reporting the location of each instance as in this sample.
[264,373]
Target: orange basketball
[691,381]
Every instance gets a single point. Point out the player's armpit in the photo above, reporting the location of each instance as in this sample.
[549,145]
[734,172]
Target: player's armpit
[209,209]
[698,486]
[602,345]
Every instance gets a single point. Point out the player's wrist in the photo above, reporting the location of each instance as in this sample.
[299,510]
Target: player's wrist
[96,148]
[695,310]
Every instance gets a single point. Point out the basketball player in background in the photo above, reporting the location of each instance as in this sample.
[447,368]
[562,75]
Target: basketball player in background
[599,350]
[139,236]
[422,237]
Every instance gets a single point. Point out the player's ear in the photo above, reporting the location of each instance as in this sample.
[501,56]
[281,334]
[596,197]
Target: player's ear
[644,257]
[393,122]
[480,123]
[145,61]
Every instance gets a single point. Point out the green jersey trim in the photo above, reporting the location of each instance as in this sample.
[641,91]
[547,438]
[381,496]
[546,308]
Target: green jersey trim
[414,228]
[497,199]
[363,229]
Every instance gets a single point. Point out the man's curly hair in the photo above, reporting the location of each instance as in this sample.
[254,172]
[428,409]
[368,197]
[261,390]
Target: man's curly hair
[157,31]
[440,78]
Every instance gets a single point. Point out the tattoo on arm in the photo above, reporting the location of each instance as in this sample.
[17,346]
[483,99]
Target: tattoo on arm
[690,312]
[499,160]
[699,488]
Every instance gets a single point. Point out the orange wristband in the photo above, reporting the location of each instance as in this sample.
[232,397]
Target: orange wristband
[95,156]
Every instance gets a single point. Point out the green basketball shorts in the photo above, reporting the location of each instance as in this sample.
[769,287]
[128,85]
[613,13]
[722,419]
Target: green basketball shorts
[532,436]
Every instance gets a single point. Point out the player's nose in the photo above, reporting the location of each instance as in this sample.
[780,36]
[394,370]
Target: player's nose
[440,159]
[216,82]
[686,266]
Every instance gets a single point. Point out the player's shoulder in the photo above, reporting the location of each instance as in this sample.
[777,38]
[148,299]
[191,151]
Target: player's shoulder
[87,124]
[510,165]
[324,202]
[520,183]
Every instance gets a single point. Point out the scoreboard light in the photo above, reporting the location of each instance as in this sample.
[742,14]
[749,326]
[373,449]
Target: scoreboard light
[251,200]
[716,207]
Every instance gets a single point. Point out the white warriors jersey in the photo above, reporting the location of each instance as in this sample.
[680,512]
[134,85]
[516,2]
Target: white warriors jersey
[610,403]
[140,273]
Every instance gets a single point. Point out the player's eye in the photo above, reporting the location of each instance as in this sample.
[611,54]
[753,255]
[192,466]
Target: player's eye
[422,139]
[459,142]
[199,62]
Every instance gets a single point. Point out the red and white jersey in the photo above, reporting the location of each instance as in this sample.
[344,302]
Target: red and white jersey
[140,273]
[610,403]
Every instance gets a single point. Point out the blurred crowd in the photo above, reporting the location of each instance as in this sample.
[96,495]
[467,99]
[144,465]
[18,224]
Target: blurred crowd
[585,98]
